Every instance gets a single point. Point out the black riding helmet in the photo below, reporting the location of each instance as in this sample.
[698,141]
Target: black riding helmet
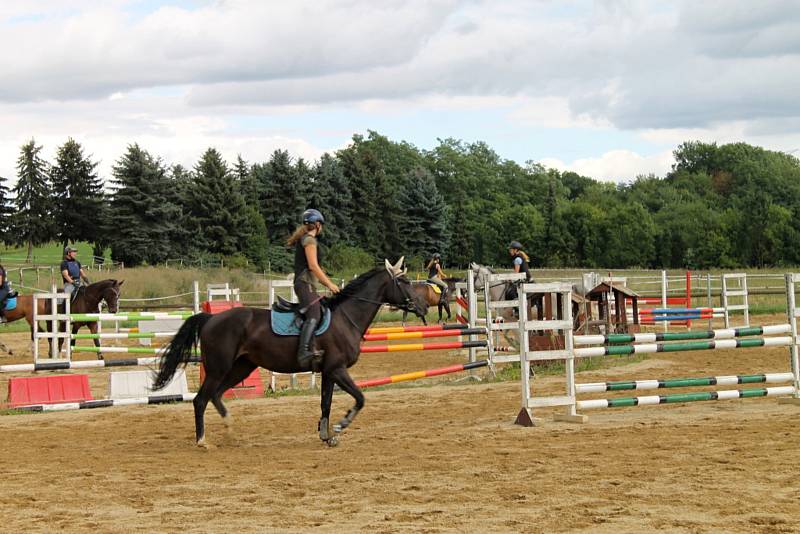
[516,245]
[311,216]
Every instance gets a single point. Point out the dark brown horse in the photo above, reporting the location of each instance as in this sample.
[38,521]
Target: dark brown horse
[426,293]
[237,341]
[87,300]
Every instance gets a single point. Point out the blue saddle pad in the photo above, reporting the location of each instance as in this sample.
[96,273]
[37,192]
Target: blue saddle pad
[11,303]
[284,323]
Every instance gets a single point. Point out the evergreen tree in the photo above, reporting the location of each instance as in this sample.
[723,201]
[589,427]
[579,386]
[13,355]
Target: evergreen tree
[77,211]
[179,182]
[555,249]
[423,227]
[144,218]
[6,212]
[255,245]
[330,193]
[246,178]
[283,196]
[364,172]
[216,206]
[32,222]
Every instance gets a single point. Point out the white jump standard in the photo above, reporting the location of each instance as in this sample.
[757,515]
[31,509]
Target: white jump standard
[651,343]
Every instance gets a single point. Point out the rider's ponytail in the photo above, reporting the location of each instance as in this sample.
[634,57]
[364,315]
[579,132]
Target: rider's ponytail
[299,232]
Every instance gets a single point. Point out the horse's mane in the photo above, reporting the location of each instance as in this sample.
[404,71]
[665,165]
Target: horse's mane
[352,288]
[107,282]
[479,266]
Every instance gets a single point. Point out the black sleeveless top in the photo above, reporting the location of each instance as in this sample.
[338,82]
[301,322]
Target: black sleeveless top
[300,261]
[523,268]
[433,271]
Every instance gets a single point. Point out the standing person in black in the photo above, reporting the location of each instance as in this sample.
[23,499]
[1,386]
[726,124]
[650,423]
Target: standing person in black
[307,271]
[4,291]
[71,271]
[436,275]
[520,260]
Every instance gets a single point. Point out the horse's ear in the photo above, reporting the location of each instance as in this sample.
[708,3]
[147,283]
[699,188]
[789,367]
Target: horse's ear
[120,282]
[396,269]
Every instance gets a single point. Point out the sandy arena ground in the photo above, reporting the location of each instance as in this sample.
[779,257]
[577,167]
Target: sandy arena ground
[419,459]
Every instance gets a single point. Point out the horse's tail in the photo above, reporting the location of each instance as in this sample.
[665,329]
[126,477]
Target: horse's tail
[180,349]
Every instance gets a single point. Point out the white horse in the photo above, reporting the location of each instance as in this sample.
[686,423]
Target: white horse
[497,291]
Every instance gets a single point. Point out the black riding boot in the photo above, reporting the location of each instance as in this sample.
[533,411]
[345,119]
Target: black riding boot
[443,297]
[305,345]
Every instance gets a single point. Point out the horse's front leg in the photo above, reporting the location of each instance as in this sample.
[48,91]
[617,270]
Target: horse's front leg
[326,398]
[342,378]
[93,330]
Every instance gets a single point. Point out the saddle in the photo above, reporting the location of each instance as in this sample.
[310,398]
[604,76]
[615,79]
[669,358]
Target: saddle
[10,302]
[436,289]
[286,306]
[287,318]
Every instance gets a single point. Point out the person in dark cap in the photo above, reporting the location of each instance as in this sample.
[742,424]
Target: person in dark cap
[72,271]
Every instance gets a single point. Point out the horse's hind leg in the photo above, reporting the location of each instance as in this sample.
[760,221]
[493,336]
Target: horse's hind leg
[342,378]
[241,369]
[204,394]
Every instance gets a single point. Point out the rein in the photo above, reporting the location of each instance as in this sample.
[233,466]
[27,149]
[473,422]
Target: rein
[406,306]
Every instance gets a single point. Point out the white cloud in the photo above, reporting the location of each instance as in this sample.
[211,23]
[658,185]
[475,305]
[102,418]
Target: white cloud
[161,125]
[111,73]
[101,50]
[616,165]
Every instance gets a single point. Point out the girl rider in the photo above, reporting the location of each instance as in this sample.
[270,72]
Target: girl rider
[307,271]
[436,275]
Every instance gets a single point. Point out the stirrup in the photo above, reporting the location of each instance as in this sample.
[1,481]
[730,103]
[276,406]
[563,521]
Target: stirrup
[311,360]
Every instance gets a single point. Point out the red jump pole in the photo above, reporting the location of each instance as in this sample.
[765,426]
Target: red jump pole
[406,347]
[398,329]
[424,334]
[416,375]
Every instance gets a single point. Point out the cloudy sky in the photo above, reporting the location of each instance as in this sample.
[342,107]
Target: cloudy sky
[605,88]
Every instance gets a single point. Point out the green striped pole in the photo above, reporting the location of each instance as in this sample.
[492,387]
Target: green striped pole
[684,397]
[728,333]
[124,335]
[620,350]
[601,387]
[140,316]
[128,350]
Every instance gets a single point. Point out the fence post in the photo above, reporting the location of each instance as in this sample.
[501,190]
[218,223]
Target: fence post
[196,296]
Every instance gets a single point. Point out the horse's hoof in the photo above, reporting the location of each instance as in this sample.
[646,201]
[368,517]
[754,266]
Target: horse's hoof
[202,443]
[332,442]
[324,430]
[227,421]
[337,428]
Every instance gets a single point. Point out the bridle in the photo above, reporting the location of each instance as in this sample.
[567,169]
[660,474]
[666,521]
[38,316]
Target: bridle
[117,291]
[407,305]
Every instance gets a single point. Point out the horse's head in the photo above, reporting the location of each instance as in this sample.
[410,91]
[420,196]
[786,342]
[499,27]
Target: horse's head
[110,294]
[399,292]
[481,273]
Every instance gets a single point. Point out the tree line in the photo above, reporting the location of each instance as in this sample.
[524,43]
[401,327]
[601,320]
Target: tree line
[725,206]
